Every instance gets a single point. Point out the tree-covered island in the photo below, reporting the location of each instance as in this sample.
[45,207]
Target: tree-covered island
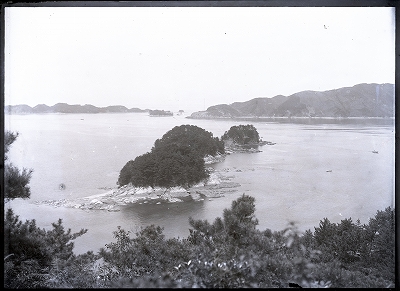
[160,113]
[242,135]
[178,158]
[243,138]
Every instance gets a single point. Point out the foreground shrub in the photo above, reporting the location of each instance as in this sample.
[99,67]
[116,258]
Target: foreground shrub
[36,258]
[227,253]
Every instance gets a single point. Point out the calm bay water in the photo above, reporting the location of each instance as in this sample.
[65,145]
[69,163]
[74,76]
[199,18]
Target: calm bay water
[315,170]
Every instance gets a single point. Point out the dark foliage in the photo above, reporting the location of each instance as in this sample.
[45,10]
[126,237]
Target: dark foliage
[196,138]
[160,113]
[15,180]
[175,160]
[232,253]
[32,255]
[370,248]
[167,167]
[228,253]
[9,138]
[146,254]
[242,134]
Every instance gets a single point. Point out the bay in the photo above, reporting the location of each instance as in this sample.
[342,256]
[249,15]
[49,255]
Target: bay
[315,169]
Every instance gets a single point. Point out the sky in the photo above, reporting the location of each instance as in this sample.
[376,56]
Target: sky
[190,58]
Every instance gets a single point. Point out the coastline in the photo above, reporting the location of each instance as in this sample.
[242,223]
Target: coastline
[217,185]
[301,119]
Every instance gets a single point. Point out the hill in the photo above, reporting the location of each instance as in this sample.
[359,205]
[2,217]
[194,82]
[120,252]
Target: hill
[362,100]
[66,108]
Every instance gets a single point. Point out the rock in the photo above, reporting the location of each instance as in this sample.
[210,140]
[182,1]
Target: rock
[96,201]
[214,187]
[213,159]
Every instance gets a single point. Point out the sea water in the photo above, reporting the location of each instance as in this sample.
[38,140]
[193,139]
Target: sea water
[314,169]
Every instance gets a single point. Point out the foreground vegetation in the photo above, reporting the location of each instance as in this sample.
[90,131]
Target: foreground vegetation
[16,181]
[228,252]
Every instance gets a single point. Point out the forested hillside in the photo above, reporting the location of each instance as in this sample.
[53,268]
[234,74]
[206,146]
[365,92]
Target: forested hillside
[362,100]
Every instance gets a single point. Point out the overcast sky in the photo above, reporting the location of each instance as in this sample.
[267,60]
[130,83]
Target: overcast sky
[191,58]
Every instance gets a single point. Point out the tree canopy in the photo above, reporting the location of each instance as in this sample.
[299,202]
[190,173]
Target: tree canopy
[15,180]
[231,248]
[195,137]
[177,159]
[242,134]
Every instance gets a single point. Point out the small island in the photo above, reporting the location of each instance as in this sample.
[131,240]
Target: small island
[175,169]
[160,113]
[177,159]
[243,138]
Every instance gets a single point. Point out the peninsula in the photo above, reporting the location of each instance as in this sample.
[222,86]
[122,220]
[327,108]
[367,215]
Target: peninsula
[362,100]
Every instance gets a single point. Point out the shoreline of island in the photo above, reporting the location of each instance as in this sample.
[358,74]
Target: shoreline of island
[215,186]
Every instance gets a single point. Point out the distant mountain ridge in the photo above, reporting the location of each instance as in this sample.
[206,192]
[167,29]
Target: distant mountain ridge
[66,108]
[362,100]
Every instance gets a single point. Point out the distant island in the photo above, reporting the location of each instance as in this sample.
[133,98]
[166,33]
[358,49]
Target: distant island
[66,108]
[160,113]
[362,100]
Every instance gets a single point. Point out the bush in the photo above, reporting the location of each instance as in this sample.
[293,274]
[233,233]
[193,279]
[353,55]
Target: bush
[15,181]
[31,252]
[148,253]
[227,253]
[232,253]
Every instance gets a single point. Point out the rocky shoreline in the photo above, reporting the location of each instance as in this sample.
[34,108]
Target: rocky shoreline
[217,185]
[248,148]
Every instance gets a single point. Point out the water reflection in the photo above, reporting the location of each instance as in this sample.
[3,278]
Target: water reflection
[321,120]
[174,217]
